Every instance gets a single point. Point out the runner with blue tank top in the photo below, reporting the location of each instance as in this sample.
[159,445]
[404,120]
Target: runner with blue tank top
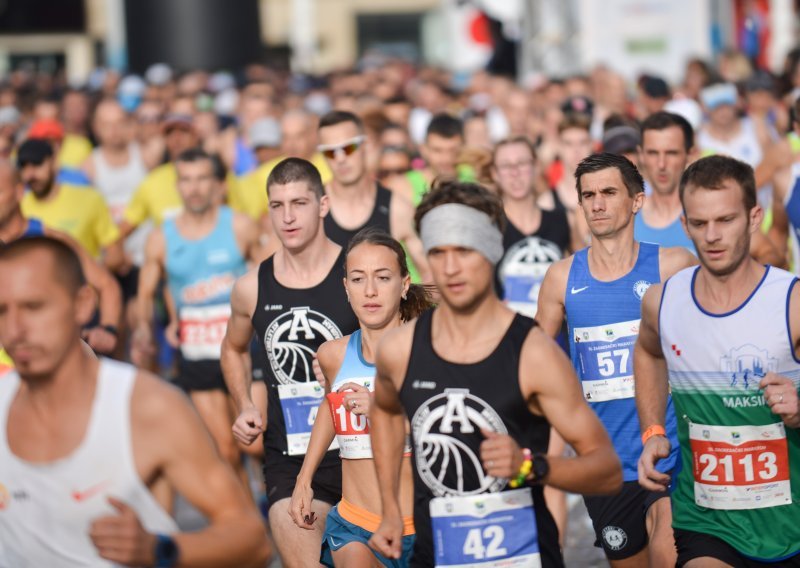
[599,290]
[724,339]
[201,252]
[378,287]
[667,143]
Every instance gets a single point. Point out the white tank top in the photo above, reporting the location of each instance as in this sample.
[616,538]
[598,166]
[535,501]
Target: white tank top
[46,509]
[118,184]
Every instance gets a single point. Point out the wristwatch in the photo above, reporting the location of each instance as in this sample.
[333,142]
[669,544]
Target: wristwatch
[167,552]
[539,468]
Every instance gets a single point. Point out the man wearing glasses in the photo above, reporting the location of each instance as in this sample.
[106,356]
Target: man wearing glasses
[356,199]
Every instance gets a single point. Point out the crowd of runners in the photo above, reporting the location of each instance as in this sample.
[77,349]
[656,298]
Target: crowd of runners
[368,319]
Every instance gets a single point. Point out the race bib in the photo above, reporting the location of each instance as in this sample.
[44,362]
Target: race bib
[522,290]
[605,357]
[300,404]
[488,530]
[740,467]
[201,329]
[352,430]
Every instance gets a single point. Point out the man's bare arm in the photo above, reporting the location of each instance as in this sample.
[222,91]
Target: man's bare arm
[235,350]
[550,309]
[149,277]
[387,433]
[164,422]
[402,226]
[652,390]
[547,378]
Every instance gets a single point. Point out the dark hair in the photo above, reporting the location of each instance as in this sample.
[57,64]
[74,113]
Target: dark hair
[662,120]
[417,299]
[524,140]
[220,170]
[575,120]
[296,169]
[602,161]
[67,269]
[194,155]
[471,194]
[446,126]
[335,117]
[712,171]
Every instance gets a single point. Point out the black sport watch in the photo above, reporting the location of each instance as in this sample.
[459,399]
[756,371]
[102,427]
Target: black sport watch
[540,467]
[167,552]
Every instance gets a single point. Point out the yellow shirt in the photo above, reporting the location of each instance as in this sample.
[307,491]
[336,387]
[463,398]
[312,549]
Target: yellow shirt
[156,198]
[79,211]
[75,150]
[250,193]
[6,364]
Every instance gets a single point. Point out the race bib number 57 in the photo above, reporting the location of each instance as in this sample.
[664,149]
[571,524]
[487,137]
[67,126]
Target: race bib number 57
[740,467]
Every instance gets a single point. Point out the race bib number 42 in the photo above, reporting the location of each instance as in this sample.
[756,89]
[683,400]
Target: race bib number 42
[202,329]
[300,404]
[605,358]
[486,531]
[740,467]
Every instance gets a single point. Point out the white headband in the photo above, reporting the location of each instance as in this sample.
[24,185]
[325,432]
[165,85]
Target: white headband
[455,224]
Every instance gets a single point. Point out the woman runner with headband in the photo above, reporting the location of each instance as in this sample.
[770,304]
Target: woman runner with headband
[379,291]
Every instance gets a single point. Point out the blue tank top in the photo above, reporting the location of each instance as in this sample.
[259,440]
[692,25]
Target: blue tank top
[672,235]
[245,160]
[603,323]
[792,205]
[202,272]
[35,229]
[354,366]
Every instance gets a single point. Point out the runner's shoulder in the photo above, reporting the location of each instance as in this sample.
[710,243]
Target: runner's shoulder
[395,346]
[155,402]
[331,355]
[674,259]
[244,295]
[558,274]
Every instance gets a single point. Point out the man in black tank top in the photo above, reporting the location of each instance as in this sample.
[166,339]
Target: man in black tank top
[294,301]
[479,385]
[356,200]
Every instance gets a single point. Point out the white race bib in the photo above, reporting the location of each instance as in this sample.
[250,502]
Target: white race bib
[740,467]
[605,359]
[352,430]
[491,530]
[300,404]
[202,329]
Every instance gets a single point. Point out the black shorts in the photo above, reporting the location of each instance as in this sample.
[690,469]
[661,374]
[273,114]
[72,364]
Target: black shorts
[203,375]
[619,520]
[280,477]
[693,545]
[129,284]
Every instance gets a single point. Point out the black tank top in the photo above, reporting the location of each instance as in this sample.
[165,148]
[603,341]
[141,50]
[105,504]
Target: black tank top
[537,251]
[379,218]
[290,325]
[487,395]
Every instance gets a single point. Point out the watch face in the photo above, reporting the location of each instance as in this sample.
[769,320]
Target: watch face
[166,552]
[540,467]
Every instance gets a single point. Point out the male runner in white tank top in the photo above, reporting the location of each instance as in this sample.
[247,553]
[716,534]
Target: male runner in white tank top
[84,442]
[724,340]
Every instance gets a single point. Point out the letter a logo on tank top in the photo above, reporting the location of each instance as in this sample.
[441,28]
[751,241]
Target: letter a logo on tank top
[447,433]
[291,341]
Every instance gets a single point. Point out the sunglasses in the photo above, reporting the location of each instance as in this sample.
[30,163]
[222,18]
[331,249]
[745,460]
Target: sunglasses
[348,147]
[392,172]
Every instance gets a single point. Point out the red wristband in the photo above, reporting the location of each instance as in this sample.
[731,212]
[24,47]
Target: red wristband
[654,430]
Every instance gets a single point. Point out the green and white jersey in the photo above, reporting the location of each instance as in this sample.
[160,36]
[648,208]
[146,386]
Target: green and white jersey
[740,476]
